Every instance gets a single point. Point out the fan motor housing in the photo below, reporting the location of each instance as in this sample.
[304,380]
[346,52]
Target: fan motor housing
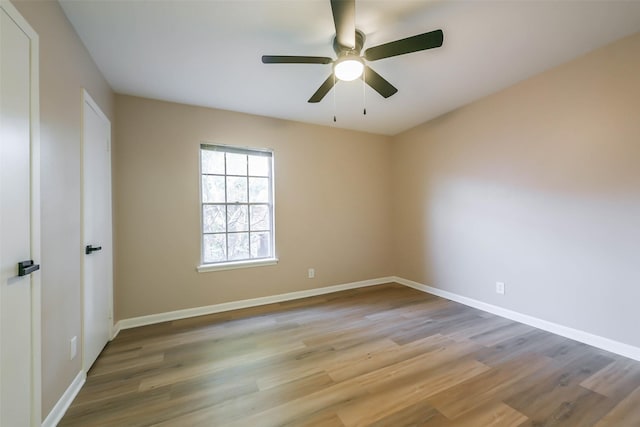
[339,49]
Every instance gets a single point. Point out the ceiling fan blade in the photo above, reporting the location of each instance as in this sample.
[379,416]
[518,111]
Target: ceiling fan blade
[378,83]
[424,41]
[344,18]
[284,59]
[323,89]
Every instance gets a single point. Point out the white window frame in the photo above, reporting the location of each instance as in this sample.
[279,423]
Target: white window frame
[244,263]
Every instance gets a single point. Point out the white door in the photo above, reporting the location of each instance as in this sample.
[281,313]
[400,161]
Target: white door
[19,223]
[98,255]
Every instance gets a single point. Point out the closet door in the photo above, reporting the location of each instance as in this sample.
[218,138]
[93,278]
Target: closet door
[19,226]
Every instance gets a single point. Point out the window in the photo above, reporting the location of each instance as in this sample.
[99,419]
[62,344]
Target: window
[237,206]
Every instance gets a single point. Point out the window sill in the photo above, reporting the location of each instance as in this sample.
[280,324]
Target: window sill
[204,268]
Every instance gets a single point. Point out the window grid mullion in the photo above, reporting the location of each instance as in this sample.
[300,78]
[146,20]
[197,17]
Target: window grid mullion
[226,212]
[248,210]
[270,209]
[202,248]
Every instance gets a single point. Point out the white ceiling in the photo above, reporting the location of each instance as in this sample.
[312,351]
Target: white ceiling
[207,52]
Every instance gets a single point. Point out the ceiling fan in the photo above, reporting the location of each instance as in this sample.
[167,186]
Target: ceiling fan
[348,43]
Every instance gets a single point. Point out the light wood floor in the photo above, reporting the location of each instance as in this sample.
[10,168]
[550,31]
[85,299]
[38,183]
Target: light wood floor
[379,356]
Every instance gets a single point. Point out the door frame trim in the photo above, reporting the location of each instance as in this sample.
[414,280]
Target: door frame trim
[34,116]
[87,99]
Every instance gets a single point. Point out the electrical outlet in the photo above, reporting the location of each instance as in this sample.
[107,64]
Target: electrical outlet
[312,273]
[500,288]
[73,351]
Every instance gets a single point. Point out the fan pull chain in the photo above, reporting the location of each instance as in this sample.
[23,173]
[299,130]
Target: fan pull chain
[335,88]
[364,93]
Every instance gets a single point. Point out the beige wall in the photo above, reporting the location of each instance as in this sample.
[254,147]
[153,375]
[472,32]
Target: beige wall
[332,192]
[65,68]
[537,186]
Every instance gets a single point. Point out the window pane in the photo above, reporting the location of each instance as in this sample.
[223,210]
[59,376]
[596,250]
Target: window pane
[260,218]
[260,245]
[259,190]
[238,246]
[236,164]
[237,219]
[213,218]
[214,247]
[212,189]
[236,189]
[259,165]
[212,162]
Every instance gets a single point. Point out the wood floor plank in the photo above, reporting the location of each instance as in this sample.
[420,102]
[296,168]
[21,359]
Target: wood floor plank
[487,324]
[557,384]
[624,413]
[293,411]
[493,415]
[127,364]
[419,414]
[616,379]
[116,410]
[390,394]
[183,373]
[584,409]
[384,356]
[494,384]
[320,419]
[243,407]
[497,335]
[362,362]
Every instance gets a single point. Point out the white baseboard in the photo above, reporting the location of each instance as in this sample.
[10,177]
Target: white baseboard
[235,305]
[115,330]
[603,343]
[65,401]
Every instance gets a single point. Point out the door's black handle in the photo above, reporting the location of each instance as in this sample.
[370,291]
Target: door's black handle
[27,267]
[90,249]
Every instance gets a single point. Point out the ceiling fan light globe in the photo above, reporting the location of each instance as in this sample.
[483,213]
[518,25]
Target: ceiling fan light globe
[348,69]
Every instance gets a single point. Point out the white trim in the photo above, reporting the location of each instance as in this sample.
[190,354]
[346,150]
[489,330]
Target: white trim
[204,268]
[86,98]
[603,343]
[65,401]
[235,305]
[115,330]
[36,234]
